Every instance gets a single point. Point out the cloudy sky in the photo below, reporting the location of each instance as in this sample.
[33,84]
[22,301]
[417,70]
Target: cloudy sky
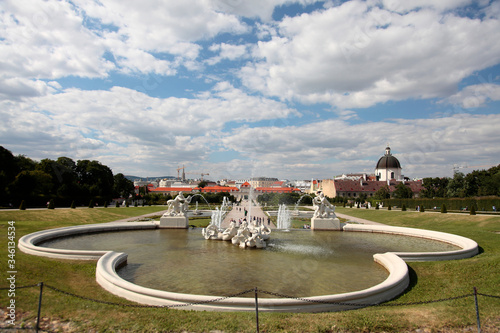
[295,89]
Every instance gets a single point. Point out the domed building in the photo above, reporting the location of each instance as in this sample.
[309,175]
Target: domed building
[388,167]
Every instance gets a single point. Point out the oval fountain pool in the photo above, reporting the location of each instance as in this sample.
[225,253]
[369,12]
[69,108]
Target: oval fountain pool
[297,263]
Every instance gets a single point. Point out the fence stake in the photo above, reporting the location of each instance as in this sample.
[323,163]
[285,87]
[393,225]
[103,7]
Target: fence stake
[257,309]
[39,308]
[477,311]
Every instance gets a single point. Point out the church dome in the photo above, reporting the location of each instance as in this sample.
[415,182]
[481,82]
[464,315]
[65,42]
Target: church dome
[388,161]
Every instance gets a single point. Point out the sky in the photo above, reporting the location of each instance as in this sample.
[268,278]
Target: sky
[292,89]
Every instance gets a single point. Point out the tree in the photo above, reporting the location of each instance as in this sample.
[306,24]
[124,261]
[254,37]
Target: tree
[434,187]
[456,186]
[29,184]
[122,187]
[202,184]
[383,193]
[402,191]
[8,172]
[95,179]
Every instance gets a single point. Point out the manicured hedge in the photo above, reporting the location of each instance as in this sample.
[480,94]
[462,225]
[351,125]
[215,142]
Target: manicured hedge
[480,203]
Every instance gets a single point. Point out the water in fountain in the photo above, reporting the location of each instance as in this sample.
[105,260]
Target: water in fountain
[218,215]
[284,219]
[217,218]
[198,194]
[296,210]
[250,199]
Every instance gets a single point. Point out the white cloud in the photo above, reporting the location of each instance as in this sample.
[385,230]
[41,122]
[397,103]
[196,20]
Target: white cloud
[17,88]
[169,27]
[355,55]
[124,125]
[262,9]
[227,51]
[333,147]
[403,6]
[53,39]
[46,40]
[476,96]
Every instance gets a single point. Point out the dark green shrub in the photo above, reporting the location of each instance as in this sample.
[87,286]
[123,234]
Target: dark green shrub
[443,209]
[473,210]
[389,207]
[73,204]
[51,204]
[403,208]
[22,206]
[117,204]
[376,206]
[422,209]
[91,203]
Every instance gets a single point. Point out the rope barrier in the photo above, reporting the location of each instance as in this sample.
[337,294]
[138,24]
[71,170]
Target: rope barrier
[253,290]
[218,299]
[366,305]
[150,306]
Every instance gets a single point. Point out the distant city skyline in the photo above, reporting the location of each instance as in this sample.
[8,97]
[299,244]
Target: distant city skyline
[292,89]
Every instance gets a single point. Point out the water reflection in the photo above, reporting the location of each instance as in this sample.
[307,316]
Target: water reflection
[297,263]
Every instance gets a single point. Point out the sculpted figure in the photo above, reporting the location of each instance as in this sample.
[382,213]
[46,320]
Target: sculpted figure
[230,232]
[322,207]
[210,232]
[178,205]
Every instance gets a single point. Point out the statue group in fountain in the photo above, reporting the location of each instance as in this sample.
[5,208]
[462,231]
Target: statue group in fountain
[322,207]
[179,205]
[245,235]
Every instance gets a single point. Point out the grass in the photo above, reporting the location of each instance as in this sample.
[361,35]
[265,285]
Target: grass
[429,281]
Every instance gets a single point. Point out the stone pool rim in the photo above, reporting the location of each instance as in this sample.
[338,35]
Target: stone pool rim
[108,261]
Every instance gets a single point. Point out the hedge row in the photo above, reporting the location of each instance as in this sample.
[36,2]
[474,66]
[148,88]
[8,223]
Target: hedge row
[480,203]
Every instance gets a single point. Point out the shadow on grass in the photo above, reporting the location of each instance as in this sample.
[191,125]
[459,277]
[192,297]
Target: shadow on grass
[411,285]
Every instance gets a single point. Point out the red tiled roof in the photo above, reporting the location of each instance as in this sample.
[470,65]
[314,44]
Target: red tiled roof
[214,189]
[347,185]
[277,189]
[172,189]
[245,184]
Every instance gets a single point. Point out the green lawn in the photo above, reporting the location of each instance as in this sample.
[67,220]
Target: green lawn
[429,281]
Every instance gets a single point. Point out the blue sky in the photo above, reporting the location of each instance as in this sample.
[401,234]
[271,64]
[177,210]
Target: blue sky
[279,88]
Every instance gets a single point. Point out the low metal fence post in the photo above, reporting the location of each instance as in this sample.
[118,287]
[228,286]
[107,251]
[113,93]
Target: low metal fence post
[257,309]
[39,308]
[477,311]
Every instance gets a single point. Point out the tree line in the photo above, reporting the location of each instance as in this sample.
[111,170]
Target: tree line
[63,180]
[478,183]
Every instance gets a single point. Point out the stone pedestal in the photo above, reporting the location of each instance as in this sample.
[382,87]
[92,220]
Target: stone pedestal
[328,223]
[174,222]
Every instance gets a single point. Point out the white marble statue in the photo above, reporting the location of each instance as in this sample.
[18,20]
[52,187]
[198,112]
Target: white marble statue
[179,205]
[241,237]
[230,232]
[322,207]
[210,232]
